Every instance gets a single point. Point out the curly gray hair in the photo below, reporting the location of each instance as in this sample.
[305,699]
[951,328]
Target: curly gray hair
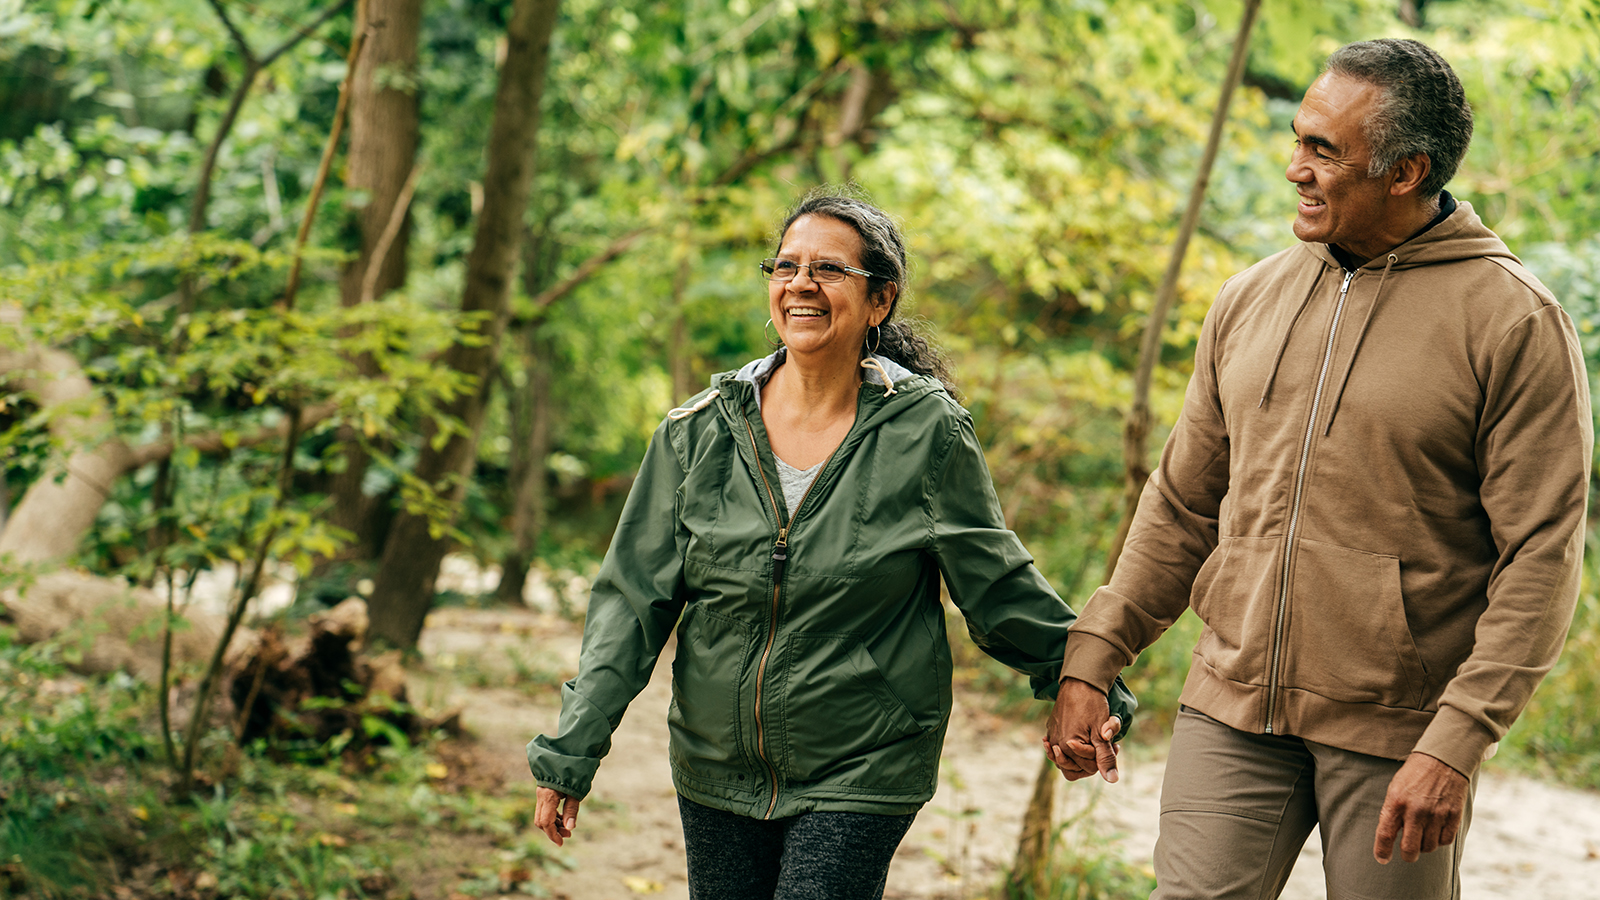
[1422,109]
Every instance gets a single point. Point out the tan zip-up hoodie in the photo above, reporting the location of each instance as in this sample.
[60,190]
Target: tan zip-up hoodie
[1374,499]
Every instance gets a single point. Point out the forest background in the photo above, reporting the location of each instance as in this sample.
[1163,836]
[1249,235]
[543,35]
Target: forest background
[326,293]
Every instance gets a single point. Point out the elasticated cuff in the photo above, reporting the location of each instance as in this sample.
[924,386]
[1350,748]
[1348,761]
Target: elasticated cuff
[1091,659]
[1453,738]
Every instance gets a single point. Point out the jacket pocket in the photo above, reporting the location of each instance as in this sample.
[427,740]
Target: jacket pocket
[840,713]
[1234,594]
[1346,632]
[704,719]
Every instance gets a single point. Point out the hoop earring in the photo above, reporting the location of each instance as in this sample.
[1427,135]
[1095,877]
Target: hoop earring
[776,340]
[873,346]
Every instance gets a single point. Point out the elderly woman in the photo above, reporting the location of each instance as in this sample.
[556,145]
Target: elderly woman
[793,522]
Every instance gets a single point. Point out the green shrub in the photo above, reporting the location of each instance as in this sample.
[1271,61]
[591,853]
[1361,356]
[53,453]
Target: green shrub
[59,823]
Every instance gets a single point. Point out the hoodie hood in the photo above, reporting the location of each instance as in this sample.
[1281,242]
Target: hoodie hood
[1460,236]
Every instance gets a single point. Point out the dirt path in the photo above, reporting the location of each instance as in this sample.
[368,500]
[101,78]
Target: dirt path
[1529,839]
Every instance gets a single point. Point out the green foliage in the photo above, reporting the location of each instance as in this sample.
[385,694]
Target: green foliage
[58,823]
[1157,676]
[1534,165]
[1572,272]
[228,375]
[84,804]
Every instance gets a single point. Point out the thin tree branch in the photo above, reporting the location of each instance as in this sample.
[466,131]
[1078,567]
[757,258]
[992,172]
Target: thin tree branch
[391,231]
[202,192]
[208,682]
[212,443]
[233,30]
[252,68]
[737,36]
[1137,429]
[585,269]
[357,41]
[166,675]
[304,33]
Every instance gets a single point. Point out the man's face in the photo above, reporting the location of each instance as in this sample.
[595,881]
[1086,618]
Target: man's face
[1340,203]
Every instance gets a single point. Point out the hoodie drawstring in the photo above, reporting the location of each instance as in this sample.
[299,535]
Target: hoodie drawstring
[1360,336]
[870,363]
[1276,360]
[683,412]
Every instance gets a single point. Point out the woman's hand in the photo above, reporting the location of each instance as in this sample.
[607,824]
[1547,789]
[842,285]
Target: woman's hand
[555,814]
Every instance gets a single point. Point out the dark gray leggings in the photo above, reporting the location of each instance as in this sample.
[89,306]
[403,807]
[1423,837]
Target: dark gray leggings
[812,856]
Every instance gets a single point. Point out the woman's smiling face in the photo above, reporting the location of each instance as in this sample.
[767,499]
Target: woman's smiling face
[816,318]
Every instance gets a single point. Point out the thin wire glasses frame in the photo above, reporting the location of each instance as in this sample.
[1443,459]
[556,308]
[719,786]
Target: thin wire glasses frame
[823,271]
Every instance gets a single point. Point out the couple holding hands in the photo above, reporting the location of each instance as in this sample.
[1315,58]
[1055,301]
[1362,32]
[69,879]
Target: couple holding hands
[1373,499]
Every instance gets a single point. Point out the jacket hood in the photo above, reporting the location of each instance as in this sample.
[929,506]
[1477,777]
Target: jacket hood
[887,388]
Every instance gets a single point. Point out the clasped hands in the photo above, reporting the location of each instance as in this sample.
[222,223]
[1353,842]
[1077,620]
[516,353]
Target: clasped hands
[1081,736]
[1421,812]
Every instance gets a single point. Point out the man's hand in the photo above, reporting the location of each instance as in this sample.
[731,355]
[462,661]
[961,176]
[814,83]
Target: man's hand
[1079,737]
[555,814]
[1422,808]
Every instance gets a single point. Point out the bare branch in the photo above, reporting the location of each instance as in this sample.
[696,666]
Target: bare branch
[357,41]
[391,231]
[304,33]
[213,443]
[202,192]
[587,268]
[795,108]
[736,36]
[233,31]
[1136,430]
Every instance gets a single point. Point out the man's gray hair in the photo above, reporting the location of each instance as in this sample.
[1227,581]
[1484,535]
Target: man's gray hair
[1422,108]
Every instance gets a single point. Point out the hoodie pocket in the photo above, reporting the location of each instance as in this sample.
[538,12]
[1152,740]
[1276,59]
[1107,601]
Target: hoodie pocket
[839,709]
[1346,632]
[1234,594]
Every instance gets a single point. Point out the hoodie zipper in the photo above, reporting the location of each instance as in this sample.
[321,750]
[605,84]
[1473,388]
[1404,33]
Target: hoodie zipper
[780,559]
[1294,509]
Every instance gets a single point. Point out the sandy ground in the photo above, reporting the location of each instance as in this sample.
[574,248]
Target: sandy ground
[1529,839]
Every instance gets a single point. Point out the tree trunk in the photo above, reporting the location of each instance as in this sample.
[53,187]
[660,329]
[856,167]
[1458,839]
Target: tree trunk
[1032,853]
[529,413]
[530,446]
[403,591]
[385,121]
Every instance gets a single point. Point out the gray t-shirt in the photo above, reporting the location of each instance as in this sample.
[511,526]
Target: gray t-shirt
[795,481]
[757,371]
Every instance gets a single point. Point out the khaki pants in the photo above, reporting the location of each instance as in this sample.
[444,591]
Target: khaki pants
[1236,808]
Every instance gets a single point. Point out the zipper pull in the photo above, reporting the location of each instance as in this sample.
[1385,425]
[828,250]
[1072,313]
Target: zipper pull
[780,556]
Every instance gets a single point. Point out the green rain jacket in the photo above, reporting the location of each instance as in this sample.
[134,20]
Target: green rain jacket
[812,669]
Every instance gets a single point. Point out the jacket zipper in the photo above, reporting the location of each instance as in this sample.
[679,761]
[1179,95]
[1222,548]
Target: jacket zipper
[1294,510]
[780,558]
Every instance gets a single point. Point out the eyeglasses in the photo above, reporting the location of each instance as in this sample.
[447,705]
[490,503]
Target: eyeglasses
[823,271]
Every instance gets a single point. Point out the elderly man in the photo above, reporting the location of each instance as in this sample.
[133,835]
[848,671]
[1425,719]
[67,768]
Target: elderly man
[1374,500]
